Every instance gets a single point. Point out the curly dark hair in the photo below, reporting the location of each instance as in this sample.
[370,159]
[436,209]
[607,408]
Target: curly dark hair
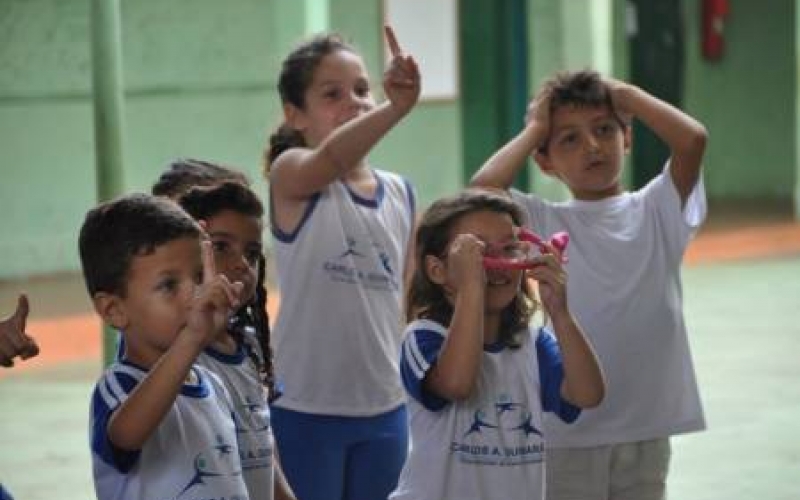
[582,89]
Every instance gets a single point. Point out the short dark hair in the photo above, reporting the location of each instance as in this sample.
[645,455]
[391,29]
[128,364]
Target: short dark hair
[183,174]
[115,232]
[577,88]
[426,299]
[207,201]
[583,89]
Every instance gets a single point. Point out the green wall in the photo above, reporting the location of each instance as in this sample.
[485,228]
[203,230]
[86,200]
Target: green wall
[200,77]
[747,100]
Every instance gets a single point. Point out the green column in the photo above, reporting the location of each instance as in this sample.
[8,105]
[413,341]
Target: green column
[107,91]
[494,78]
[797,110]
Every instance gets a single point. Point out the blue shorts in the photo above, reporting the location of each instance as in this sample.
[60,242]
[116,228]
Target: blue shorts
[341,458]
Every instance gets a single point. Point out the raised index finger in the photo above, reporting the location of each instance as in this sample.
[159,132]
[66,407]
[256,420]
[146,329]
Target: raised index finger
[394,47]
[209,266]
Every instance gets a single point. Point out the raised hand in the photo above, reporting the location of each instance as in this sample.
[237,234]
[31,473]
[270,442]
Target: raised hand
[619,93]
[552,279]
[215,300]
[401,80]
[538,117]
[13,339]
[465,262]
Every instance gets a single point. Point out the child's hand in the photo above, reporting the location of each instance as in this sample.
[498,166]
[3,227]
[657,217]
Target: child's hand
[13,339]
[465,262]
[401,80]
[216,298]
[538,117]
[619,92]
[552,279]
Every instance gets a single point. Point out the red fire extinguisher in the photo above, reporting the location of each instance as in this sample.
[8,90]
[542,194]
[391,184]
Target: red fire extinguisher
[713,28]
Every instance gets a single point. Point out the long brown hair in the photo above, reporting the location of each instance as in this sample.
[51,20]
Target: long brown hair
[426,299]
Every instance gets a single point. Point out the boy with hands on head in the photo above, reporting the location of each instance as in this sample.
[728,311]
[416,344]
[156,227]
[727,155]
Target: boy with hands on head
[161,425]
[624,275]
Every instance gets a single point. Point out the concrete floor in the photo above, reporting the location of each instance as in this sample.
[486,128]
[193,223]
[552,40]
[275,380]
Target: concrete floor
[744,322]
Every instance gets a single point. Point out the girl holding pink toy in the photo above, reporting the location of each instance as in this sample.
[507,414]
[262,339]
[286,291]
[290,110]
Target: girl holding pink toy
[478,376]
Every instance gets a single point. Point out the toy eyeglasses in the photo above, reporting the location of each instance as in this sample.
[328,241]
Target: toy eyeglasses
[519,254]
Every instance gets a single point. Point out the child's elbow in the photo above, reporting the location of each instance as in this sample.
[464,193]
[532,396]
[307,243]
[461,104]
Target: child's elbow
[697,140]
[594,399]
[588,397]
[454,389]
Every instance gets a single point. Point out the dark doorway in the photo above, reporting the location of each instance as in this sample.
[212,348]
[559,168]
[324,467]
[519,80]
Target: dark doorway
[657,66]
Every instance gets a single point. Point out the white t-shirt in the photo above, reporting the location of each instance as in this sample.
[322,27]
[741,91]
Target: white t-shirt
[192,455]
[340,274]
[251,415]
[625,290]
[489,446]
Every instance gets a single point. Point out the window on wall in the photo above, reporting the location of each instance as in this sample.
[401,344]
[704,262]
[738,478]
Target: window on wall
[427,30]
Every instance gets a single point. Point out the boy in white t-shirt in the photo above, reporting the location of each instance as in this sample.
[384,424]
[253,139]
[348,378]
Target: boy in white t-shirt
[161,425]
[624,275]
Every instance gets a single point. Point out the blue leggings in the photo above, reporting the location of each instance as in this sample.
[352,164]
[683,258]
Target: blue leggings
[328,457]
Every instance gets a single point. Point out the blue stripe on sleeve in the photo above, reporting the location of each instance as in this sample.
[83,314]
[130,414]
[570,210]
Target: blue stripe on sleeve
[104,402]
[420,350]
[551,375]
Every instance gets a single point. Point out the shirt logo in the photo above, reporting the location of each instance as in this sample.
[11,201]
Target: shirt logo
[363,262]
[501,433]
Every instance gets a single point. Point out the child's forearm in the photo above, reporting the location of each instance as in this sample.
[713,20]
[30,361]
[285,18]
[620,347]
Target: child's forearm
[583,383]
[685,136]
[677,129]
[300,172]
[138,417]
[501,168]
[351,142]
[455,372]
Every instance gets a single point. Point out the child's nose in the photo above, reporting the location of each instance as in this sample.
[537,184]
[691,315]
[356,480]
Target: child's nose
[593,143]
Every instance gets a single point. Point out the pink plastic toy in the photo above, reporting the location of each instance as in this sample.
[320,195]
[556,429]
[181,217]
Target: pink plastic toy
[559,241]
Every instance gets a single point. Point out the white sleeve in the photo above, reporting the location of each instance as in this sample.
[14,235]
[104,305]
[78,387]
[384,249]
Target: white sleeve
[678,224]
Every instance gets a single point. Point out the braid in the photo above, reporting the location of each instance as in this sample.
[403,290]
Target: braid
[261,323]
[254,316]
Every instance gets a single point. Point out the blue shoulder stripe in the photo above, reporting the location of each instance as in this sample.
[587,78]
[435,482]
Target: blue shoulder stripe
[551,375]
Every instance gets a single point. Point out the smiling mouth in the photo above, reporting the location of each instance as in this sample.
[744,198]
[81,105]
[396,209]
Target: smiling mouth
[497,281]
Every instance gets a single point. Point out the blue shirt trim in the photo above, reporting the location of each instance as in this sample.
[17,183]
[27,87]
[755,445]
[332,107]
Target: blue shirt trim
[369,203]
[236,358]
[428,344]
[285,237]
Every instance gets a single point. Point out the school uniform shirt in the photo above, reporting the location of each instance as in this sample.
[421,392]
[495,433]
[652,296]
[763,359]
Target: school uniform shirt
[491,445]
[624,288]
[340,274]
[251,416]
[192,455]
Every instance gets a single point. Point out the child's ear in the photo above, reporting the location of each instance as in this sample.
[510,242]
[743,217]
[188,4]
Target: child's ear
[109,307]
[435,270]
[294,117]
